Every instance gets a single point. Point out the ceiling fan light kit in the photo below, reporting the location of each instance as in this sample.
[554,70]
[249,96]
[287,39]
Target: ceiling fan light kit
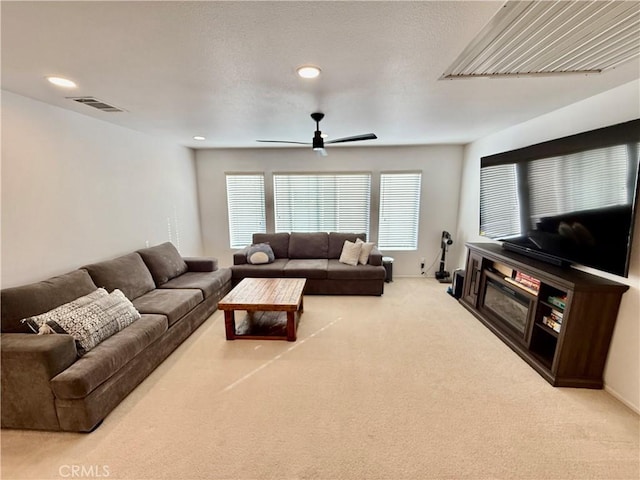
[317,143]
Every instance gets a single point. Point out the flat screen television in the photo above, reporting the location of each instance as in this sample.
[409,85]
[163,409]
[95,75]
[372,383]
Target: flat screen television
[567,201]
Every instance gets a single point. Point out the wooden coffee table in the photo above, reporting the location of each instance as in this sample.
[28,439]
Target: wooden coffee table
[273,307]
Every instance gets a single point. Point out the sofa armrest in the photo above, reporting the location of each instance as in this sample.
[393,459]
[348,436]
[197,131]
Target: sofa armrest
[240,257]
[29,362]
[375,257]
[201,264]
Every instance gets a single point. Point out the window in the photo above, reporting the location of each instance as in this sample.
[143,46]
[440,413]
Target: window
[322,202]
[245,203]
[399,210]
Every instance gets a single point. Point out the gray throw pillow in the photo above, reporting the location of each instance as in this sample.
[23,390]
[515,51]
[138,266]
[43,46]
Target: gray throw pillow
[260,253]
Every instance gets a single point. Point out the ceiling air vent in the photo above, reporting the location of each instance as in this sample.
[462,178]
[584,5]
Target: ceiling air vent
[542,38]
[95,103]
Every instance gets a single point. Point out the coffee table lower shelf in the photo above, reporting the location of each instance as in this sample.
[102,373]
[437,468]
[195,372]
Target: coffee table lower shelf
[257,325]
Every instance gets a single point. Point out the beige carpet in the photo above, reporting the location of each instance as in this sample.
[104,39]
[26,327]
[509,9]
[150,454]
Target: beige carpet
[405,386]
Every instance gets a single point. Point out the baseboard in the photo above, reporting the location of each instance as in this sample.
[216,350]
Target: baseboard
[619,397]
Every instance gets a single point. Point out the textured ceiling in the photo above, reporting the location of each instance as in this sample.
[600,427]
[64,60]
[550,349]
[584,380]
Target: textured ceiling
[226,70]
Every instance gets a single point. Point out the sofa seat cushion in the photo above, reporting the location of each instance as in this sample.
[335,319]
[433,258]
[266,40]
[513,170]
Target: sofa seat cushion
[309,245]
[98,365]
[207,282]
[267,270]
[340,271]
[164,262]
[127,273]
[306,268]
[173,303]
[36,298]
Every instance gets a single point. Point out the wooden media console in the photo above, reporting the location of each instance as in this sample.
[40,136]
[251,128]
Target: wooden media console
[559,320]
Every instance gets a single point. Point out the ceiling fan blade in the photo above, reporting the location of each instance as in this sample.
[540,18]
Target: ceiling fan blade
[355,138]
[321,152]
[283,141]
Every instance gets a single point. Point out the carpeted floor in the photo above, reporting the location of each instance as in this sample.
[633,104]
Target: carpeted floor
[405,386]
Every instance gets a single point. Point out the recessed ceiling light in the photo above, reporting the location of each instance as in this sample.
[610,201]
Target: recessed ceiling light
[62,82]
[199,137]
[308,71]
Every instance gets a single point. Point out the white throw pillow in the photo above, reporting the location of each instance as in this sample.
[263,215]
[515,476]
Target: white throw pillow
[365,251]
[350,253]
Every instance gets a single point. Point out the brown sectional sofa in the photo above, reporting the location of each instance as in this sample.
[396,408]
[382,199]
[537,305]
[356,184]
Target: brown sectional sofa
[47,386]
[314,256]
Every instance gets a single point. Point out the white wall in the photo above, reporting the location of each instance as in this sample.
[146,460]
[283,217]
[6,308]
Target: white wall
[77,190]
[440,166]
[622,373]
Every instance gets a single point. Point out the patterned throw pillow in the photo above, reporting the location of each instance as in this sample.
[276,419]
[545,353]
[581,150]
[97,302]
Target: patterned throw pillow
[365,251]
[260,253]
[91,324]
[350,253]
[35,323]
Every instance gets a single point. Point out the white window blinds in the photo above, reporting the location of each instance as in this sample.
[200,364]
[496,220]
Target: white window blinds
[322,202]
[245,203]
[399,210]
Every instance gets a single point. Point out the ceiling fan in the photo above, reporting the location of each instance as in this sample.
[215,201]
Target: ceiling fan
[318,142]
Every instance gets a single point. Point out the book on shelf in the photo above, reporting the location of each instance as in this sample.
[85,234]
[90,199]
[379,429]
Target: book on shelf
[527,280]
[524,281]
[552,324]
[556,315]
[558,301]
[530,290]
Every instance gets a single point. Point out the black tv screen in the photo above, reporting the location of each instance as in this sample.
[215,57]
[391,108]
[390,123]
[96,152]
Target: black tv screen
[566,201]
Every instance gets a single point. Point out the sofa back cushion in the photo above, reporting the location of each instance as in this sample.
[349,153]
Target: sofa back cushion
[337,239]
[127,273]
[164,262]
[279,242]
[309,245]
[36,298]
